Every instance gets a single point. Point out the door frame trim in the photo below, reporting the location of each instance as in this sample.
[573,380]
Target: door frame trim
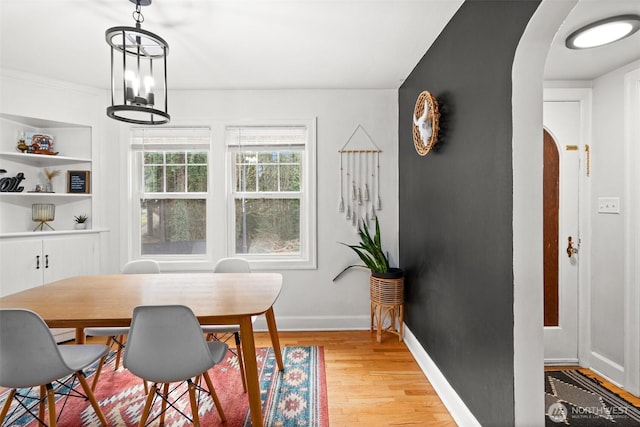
[584,97]
[632,234]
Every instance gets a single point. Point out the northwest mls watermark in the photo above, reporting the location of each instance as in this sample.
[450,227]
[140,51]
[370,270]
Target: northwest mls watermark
[559,413]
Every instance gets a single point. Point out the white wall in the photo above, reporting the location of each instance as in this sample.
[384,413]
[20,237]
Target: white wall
[607,263]
[309,300]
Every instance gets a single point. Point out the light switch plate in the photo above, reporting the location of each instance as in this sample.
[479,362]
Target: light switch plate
[609,205]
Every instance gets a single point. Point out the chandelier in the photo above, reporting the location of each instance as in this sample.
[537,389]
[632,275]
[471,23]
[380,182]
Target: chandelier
[137,94]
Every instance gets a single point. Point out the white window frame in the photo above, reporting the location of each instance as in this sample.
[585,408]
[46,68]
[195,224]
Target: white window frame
[308,229]
[136,186]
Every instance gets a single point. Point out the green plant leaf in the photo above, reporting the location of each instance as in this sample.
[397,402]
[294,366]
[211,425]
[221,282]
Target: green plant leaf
[369,249]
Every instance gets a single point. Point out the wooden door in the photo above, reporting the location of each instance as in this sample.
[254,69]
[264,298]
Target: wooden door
[561,219]
[551,210]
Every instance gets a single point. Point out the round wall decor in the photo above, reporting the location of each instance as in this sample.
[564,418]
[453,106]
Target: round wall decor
[426,119]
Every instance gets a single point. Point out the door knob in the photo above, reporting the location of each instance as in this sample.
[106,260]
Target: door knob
[570,249]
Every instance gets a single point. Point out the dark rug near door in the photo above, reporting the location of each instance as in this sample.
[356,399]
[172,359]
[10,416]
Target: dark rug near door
[573,399]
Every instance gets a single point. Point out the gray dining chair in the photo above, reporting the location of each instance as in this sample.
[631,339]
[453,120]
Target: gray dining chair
[30,357]
[166,346]
[116,335]
[224,332]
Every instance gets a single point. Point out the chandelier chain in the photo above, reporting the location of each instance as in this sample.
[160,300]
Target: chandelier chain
[137,14]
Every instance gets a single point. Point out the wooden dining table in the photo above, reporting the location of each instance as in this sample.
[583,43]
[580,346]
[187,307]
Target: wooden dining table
[215,298]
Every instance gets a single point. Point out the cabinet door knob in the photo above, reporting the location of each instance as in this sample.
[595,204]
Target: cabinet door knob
[46,261]
[37,262]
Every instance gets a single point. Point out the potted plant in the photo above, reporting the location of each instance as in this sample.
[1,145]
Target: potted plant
[371,253]
[80,221]
[386,283]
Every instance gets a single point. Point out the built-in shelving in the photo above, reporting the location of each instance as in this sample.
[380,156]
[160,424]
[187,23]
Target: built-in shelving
[42,160]
[73,142]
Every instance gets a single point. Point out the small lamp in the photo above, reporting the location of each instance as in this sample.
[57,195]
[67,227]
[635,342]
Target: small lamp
[43,213]
[138,57]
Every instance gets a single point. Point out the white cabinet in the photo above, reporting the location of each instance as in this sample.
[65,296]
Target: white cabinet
[20,265]
[29,262]
[36,261]
[27,258]
[73,142]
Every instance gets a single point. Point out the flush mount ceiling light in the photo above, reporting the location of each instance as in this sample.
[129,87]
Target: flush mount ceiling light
[603,32]
[137,95]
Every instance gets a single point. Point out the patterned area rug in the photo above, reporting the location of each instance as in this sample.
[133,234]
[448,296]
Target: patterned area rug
[295,397]
[573,399]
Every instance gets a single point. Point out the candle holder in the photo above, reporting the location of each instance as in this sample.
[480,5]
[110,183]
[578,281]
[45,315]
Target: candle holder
[43,213]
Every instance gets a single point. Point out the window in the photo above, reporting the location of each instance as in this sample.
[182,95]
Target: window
[198,195]
[170,192]
[272,187]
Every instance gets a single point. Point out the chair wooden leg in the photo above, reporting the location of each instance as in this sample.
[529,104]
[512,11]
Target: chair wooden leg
[240,361]
[214,396]
[194,403]
[92,398]
[41,404]
[94,384]
[165,394]
[7,405]
[51,402]
[147,405]
[119,353]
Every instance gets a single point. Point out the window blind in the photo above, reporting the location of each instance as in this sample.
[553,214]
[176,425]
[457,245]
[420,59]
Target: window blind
[262,137]
[167,138]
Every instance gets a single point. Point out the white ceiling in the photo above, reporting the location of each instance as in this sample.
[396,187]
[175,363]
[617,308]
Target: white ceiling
[587,64]
[231,44]
[269,44]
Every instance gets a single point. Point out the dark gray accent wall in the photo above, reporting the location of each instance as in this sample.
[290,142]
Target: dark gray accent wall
[456,206]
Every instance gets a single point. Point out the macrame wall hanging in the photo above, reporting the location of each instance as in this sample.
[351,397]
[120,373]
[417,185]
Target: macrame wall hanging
[360,181]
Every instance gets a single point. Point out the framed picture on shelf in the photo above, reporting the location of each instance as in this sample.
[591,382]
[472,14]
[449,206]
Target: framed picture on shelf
[79,182]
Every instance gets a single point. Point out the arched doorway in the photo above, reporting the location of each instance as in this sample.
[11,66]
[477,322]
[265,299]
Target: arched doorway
[527,75]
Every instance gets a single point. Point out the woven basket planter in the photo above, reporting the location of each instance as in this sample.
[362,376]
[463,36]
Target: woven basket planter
[387,309]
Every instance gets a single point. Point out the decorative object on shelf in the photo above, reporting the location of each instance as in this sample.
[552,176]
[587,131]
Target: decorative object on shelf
[142,101]
[360,182]
[78,181]
[426,118]
[22,144]
[43,213]
[11,184]
[386,284]
[80,221]
[49,175]
[40,143]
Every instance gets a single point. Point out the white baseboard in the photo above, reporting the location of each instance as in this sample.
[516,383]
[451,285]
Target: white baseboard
[607,368]
[63,334]
[560,362]
[454,404]
[316,323]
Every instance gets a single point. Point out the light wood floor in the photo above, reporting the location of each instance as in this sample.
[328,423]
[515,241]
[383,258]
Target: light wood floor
[368,384]
[380,384]
[371,384]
